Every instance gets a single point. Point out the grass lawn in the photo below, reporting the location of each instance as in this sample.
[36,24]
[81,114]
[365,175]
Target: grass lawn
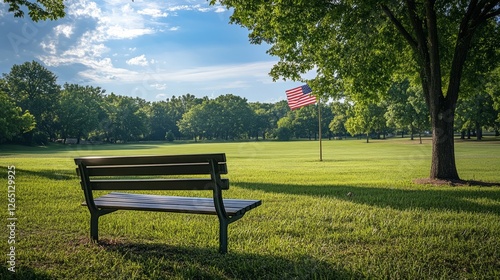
[308,227]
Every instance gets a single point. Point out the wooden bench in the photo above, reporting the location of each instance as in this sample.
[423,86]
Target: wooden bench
[169,172]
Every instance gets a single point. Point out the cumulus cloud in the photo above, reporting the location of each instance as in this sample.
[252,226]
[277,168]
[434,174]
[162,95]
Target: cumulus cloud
[155,13]
[83,8]
[138,60]
[87,34]
[220,9]
[64,29]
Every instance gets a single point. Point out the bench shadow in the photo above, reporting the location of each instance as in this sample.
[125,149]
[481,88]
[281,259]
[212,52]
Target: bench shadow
[207,263]
[476,199]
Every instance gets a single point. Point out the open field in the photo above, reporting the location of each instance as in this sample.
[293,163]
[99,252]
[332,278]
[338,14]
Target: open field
[307,227]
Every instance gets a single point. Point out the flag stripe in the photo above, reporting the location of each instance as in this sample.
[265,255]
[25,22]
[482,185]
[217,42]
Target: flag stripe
[299,97]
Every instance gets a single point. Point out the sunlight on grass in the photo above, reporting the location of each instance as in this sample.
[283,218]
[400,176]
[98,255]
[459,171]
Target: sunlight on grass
[356,214]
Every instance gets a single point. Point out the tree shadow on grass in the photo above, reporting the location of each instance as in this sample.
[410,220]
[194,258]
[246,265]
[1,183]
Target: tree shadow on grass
[22,273]
[164,261]
[468,200]
[55,149]
[54,174]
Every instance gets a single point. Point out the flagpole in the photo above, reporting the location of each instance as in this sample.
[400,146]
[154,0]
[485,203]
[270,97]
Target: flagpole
[319,122]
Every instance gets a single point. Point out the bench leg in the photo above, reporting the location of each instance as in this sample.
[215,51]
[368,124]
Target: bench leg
[94,227]
[223,237]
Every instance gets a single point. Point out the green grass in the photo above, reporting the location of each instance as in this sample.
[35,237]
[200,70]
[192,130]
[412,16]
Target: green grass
[307,227]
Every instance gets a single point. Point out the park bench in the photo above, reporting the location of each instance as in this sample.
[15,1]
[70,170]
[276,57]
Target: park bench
[165,172]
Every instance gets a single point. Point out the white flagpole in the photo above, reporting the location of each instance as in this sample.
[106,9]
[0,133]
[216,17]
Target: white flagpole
[319,122]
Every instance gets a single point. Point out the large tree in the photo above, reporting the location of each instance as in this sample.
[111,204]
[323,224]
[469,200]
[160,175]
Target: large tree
[80,110]
[34,88]
[358,47]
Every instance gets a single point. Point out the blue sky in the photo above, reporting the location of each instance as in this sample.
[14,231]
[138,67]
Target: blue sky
[151,49]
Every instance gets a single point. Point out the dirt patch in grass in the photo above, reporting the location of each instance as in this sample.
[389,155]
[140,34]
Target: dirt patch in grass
[454,183]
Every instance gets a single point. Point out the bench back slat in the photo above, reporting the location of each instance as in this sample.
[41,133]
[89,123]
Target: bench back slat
[138,160]
[157,184]
[153,169]
[106,173]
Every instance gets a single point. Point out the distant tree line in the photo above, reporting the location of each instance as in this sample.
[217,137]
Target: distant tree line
[35,109]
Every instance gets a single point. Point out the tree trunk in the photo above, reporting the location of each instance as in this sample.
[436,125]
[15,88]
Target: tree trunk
[479,131]
[443,147]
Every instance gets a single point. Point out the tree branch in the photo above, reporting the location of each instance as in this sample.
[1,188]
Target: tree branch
[487,16]
[413,43]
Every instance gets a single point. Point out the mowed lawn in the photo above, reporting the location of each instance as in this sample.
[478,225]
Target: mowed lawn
[357,214]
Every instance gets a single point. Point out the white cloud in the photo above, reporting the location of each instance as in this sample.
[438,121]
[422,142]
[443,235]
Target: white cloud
[180,8]
[64,29]
[49,46]
[158,77]
[138,60]
[220,9]
[91,27]
[84,8]
[199,74]
[155,13]
[161,96]
[159,86]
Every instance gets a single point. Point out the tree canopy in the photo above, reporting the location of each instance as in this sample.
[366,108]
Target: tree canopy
[360,48]
[37,10]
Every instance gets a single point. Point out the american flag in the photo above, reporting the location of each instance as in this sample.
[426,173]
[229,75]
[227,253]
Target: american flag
[300,97]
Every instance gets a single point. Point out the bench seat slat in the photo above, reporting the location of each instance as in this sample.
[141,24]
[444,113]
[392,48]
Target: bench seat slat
[229,203]
[156,184]
[172,204]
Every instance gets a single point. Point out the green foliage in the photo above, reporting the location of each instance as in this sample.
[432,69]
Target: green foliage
[283,133]
[474,112]
[126,118]
[406,109]
[170,137]
[37,10]
[365,119]
[87,113]
[225,117]
[80,110]
[493,89]
[340,116]
[13,121]
[39,138]
[33,88]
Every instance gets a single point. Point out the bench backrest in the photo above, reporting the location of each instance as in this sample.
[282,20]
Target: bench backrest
[153,172]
